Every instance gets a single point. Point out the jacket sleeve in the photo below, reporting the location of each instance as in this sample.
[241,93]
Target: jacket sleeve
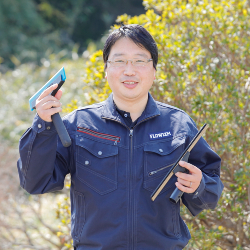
[208,193]
[43,162]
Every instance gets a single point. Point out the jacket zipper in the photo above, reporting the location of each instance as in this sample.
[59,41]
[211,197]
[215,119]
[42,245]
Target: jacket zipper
[131,205]
[131,187]
[158,170]
[99,135]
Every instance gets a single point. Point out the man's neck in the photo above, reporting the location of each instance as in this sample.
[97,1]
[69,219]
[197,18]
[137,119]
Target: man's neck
[135,108]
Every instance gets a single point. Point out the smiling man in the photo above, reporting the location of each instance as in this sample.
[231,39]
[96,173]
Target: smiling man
[121,150]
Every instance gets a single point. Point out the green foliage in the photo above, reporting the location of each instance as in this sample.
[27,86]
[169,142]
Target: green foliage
[28,222]
[32,29]
[85,20]
[63,214]
[24,34]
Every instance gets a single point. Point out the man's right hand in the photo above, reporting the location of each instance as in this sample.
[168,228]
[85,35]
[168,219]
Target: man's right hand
[47,105]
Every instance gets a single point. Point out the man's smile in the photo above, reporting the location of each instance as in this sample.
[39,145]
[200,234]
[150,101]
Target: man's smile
[130,83]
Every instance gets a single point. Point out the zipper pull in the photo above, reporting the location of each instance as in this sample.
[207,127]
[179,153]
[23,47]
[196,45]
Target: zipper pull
[116,141]
[131,133]
[153,172]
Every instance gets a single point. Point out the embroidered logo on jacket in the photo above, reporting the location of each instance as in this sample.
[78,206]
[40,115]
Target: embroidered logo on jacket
[159,135]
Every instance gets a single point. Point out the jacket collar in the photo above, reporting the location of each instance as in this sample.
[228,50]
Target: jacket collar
[110,112]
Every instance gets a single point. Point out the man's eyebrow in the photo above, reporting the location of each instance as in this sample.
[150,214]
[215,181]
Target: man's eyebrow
[118,54]
[142,54]
[138,54]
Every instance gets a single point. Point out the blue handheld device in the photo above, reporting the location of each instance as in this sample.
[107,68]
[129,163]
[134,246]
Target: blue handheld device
[58,78]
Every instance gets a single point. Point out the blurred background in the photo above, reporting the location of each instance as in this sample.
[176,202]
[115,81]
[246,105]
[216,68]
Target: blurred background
[33,29]
[204,65]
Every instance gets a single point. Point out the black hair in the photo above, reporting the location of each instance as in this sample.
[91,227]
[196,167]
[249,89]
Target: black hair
[138,34]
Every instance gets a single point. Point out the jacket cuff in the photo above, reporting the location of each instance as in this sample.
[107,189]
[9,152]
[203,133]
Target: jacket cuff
[200,189]
[39,125]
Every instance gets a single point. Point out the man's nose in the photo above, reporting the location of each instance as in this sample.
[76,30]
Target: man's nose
[129,68]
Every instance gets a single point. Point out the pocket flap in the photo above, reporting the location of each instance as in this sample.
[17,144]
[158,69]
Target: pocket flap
[166,147]
[100,150]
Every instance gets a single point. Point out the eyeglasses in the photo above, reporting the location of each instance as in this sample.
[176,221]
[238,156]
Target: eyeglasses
[135,62]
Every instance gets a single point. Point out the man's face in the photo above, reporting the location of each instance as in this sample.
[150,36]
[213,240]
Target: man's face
[129,83]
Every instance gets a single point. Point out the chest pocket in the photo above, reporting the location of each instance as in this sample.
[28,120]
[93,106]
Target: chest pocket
[96,164]
[159,158]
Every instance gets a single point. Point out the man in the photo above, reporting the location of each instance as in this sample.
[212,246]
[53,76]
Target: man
[121,150]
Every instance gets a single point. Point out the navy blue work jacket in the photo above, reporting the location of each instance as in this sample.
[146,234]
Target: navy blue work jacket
[115,169]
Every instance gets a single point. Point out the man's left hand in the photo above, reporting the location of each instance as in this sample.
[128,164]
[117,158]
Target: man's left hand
[188,183]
